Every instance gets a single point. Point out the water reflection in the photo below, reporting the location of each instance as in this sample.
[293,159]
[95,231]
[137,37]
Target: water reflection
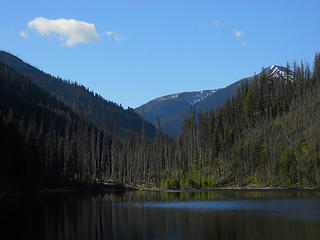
[165,215]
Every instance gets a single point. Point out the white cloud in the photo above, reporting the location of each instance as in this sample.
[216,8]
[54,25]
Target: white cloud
[24,34]
[69,31]
[238,33]
[115,36]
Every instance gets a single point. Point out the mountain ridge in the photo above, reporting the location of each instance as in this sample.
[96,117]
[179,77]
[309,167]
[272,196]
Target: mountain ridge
[171,109]
[89,105]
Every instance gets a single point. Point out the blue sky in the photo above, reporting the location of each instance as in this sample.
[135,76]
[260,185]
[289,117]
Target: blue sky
[133,51]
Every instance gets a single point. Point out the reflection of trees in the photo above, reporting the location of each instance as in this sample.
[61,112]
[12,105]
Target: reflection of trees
[123,216]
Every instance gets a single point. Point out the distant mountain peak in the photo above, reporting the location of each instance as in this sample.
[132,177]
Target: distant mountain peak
[171,109]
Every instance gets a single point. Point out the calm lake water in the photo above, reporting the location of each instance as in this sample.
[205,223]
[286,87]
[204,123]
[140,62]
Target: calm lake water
[223,214]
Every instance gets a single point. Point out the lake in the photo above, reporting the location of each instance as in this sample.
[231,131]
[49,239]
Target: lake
[220,214]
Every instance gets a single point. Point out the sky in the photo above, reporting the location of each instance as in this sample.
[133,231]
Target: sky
[131,52]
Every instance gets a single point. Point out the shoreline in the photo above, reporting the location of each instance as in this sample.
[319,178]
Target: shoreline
[116,187]
[245,188]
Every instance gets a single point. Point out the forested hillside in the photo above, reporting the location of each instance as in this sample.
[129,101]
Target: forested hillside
[87,104]
[44,144]
[268,134]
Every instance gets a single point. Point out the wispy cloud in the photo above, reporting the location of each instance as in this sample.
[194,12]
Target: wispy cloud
[68,31]
[115,36]
[238,33]
[23,34]
[215,22]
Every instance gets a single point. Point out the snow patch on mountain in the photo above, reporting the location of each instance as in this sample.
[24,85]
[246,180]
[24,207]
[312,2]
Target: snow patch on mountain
[279,72]
[191,98]
[201,95]
[168,97]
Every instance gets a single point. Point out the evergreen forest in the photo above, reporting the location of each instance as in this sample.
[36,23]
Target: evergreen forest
[266,135]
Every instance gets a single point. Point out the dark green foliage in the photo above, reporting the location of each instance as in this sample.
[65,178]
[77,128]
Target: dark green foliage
[36,131]
[172,183]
